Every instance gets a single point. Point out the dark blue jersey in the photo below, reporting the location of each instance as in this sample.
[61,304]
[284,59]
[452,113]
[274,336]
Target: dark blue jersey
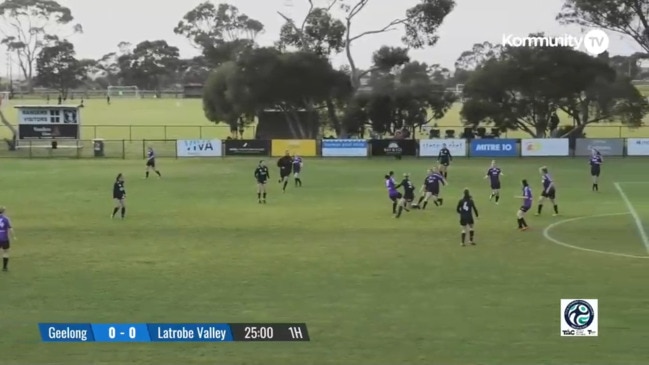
[494,175]
[118,190]
[595,161]
[547,181]
[261,173]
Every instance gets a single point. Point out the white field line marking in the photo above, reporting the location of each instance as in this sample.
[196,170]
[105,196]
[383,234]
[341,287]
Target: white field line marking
[546,235]
[632,182]
[634,214]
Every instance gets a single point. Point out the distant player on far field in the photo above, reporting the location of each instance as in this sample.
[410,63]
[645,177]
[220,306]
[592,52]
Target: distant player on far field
[150,162]
[285,164]
[119,195]
[297,168]
[466,208]
[493,174]
[6,231]
[527,205]
[444,158]
[596,161]
[549,191]
[261,175]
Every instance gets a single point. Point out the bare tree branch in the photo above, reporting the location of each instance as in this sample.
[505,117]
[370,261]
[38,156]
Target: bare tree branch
[387,28]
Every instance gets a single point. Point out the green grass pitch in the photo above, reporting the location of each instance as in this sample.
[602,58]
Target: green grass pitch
[137,119]
[196,247]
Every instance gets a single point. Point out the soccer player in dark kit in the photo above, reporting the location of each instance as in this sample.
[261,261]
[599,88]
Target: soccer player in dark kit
[596,161]
[150,162]
[285,164]
[549,191]
[297,169]
[261,175]
[493,174]
[444,158]
[393,194]
[6,231]
[408,195]
[527,205]
[431,188]
[119,195]
[466,208]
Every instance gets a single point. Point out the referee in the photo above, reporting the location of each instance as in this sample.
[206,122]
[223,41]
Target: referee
[285,164]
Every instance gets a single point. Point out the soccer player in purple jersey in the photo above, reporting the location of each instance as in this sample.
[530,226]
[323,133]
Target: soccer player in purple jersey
[6,231]
[119,196]
[150,162]
[431,188]
[297,168]
[596,161]
[493,174]
[549,191]
[466,208]
[393,194]
[527,205]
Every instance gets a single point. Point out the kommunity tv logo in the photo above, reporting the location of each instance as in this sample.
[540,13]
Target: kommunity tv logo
[595,42]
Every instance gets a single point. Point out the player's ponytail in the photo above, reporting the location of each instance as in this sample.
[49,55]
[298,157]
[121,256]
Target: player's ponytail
[119,176]
[387,177]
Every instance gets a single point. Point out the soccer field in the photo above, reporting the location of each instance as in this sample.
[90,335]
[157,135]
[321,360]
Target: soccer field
[158,119]
[196,247]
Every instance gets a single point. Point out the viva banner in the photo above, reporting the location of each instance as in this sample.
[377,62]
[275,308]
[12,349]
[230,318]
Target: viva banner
[637,146]
[431,147]
[300,147]
[198,148]
[344,148]
[545,147]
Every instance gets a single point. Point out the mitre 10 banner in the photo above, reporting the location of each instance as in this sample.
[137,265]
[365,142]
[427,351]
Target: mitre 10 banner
[394,147]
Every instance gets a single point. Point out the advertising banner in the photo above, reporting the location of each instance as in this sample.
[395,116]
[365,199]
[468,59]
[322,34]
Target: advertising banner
[344,148]
[394,147]
[247,147]
[637,146]
[493,148]
[605,146]
[300,147]
[545,147]
[198,148]
[431,147]
[48,131]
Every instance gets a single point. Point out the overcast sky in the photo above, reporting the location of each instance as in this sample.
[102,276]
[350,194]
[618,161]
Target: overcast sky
[106,23]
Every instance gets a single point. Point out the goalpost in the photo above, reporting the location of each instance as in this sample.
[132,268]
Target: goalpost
[123,91]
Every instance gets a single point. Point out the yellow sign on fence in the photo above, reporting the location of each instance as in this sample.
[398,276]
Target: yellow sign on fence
[300,147]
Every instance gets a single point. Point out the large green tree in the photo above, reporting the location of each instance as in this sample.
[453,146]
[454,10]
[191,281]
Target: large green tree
[629,17]
[221,32]
[521,88]
[266,78]
[58,68]
[27,26]
[148,64]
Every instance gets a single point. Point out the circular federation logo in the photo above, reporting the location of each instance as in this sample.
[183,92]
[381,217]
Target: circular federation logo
[579,314]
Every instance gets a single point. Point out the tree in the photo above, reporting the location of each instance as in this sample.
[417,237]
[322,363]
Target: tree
[521,89]
[420,24]
[28,26]
[266,78]
[58,68]
[319,32]
[629,17]
[148,63]
[220,32]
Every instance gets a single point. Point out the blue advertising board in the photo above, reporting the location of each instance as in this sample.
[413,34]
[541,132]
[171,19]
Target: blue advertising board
[344,148]
[494,148]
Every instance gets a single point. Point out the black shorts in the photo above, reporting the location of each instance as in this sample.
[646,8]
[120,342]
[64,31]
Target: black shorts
[595,171]
[524,209]
[464,221]
[150,163]
[445,163]
[551,194]
[395,197]
[284,173]
[260,181]
[433,190]
[495,186]
[4,245]
[409,196]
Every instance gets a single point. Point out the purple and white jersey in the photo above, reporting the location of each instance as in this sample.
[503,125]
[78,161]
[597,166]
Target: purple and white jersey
[5,225]
[391,185]
[527,197]
[546,180]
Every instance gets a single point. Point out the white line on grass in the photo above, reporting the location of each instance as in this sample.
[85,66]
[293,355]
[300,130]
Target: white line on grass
[547,236]
[634,214]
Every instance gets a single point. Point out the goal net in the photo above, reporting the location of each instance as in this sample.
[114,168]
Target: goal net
[4,99]
[123,91]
